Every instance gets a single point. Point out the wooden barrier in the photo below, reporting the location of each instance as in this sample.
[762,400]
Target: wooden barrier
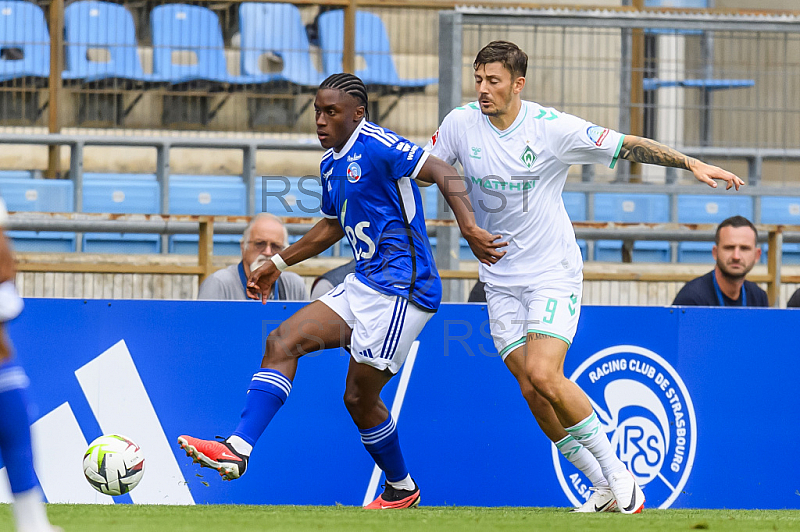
[175,276]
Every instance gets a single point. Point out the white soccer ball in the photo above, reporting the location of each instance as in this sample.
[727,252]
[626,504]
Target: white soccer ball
[113,464]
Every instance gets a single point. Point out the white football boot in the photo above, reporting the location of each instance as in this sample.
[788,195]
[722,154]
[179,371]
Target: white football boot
[630,499]
[602,500]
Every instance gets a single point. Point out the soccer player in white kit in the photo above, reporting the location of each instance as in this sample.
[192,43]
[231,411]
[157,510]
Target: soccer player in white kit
[516,155]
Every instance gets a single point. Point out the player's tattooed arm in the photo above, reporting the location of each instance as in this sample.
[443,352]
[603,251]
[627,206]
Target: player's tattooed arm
[642,150]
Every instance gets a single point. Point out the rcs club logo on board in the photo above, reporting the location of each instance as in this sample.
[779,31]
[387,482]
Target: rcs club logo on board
[647,412]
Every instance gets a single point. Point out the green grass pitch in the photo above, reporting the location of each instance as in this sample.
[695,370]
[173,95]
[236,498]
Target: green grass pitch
[130,518]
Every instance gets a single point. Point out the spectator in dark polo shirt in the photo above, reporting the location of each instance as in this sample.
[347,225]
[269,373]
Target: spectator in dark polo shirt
[736,252]
[794,301]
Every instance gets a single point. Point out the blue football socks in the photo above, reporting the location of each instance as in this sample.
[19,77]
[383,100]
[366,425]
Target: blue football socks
[266,395]
[383,443]
[15,431]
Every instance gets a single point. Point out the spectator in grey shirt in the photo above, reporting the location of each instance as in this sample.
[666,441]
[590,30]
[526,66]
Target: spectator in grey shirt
[264,237]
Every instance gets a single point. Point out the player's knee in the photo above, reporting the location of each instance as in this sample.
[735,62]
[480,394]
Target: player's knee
[275,350]
[354,401]
[534,399]
[547,386]
[528,390]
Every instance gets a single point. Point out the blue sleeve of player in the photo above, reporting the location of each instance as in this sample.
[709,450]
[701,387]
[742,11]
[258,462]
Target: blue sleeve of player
[404,159]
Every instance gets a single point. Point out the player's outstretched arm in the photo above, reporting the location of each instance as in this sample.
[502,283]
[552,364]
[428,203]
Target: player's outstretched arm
[484,245]
[323,235]
[642,150]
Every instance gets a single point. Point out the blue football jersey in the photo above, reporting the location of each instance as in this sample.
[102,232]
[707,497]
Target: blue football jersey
[369,188]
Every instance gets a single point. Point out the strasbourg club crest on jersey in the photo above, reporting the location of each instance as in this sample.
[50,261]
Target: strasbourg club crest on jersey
[353,172]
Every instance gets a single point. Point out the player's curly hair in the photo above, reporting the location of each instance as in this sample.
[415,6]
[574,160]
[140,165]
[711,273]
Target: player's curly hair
[349,84]
[509,54]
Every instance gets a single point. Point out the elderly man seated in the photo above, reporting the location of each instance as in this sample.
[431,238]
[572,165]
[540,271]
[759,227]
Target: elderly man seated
[264,237]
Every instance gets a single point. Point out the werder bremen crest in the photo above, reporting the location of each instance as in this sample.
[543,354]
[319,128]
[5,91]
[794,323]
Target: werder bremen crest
[528,157]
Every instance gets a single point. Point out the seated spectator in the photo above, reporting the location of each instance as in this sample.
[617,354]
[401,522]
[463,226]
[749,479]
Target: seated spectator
[736,252]
[264,237]
[478,293]
[325,282]
[794,301]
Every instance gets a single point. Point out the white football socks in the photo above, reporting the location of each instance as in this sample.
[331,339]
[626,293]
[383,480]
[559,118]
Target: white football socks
[240,446]
[405,484]
[589,432]
[580,457]
[29,512]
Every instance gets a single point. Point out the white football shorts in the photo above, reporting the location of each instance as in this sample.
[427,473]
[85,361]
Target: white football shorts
[384,327]
[10,303]
[550,306]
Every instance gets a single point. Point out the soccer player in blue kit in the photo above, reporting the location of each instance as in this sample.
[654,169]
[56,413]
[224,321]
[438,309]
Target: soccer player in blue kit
[16,449]
[369,194]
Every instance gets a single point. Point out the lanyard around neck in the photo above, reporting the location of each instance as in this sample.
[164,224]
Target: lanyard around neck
[243,279]
[719,292]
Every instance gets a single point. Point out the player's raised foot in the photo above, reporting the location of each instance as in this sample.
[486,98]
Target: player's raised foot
[392,499]
[218,455]
[630,498]
[601,500]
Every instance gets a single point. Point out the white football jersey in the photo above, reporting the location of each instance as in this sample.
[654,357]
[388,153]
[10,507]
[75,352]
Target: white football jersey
[515,178]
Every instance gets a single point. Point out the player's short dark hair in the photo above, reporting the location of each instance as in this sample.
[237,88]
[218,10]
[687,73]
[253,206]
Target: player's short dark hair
[735,221]
[507,53]
[349,84]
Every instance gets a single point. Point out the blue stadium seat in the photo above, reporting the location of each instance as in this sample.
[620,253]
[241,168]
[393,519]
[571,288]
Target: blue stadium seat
[226,199]
[650,84]
[42,241]
[632,208]
[119,177]
[92,25]
[187,244]
[782,210]
[128,243]
[708,209]
[212,195]
[372,43]
[712,209]
[121,194]
[302,196]
[278,29]
[37,195]
[430,201]
[16,174]
[575,203]
[194,30]
[695,252]
[23,28]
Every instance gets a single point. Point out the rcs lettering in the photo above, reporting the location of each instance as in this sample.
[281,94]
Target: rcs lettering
[356,236]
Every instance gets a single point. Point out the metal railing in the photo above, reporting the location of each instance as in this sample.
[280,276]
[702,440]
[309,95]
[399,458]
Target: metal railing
[163,145]
[702,85]
[206,226]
